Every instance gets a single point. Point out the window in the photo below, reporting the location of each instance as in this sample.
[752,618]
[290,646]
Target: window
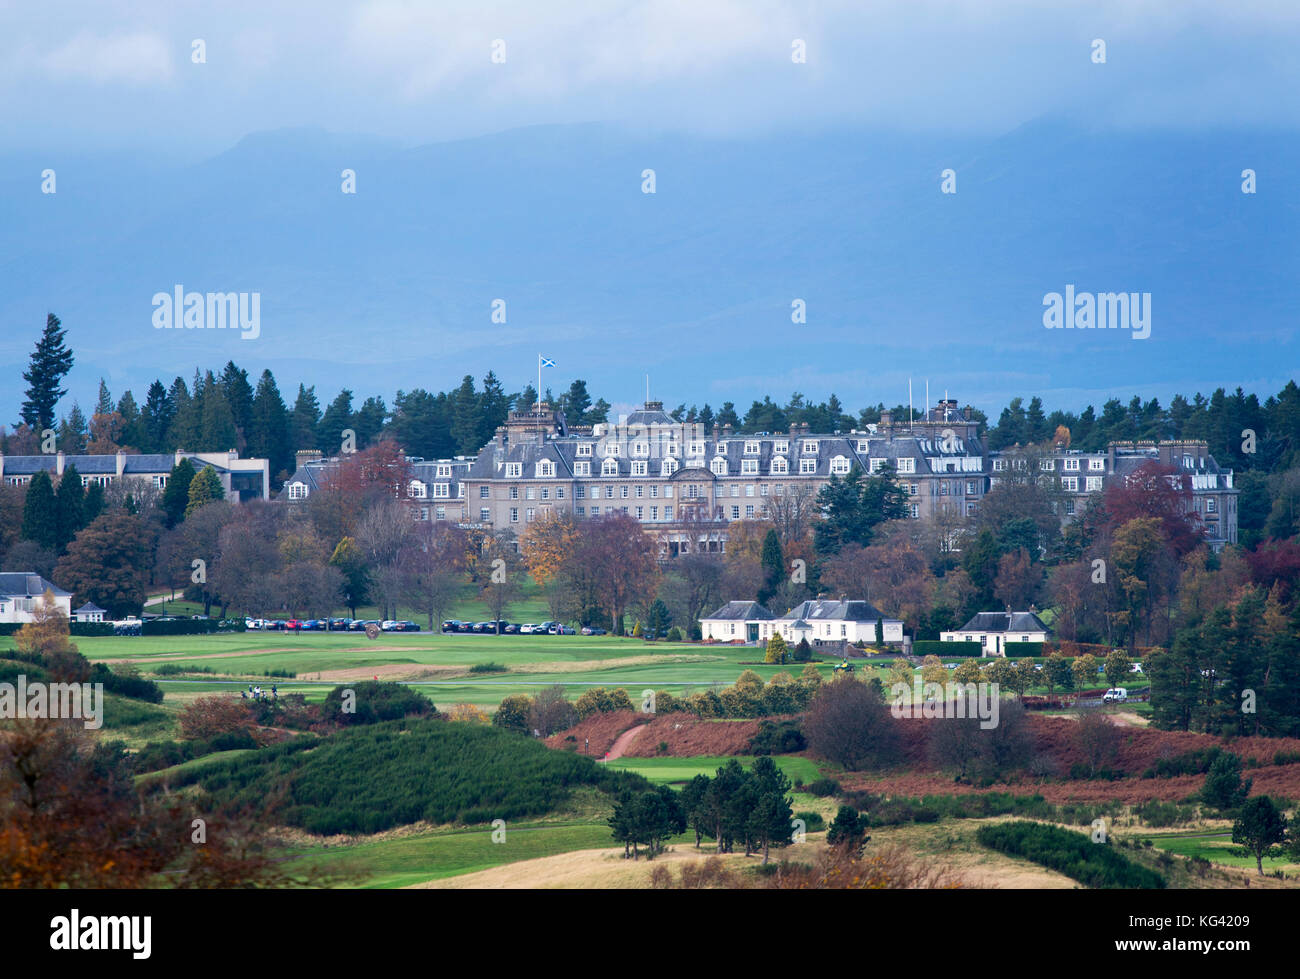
[749,467]
[862,446]
[916,511]
[1094,484]
[514,492]
[1047,465]
[913,489]
[735,513]
[580,492]
[780,467]
[668,513]
[668,467]
[749,490]
[810,447]
[440,513]
[735,489]
[781,446]
[545,469]
[907,465]
[609,492]
[749,511]
[622,491]
[442,471]
[762,490]
[1069,507]
[1096,465]
[611,448]
[529,514]
[807,467]
[484,515]
[418,490]
[609,467]
[297,491]
[546,492]
[514,514]
[654,492]
[1071,465]
[839,466]
[559,492]
[640,492]
[442,491]
[484,493]
[695,449]
[584,449]
[640,513]
[514,470]
[1070,484]
[751,448]
[582,511]
[999,465]
[654,513]
[1211,505]
[639,468]
[970,487]
[668,491]
[641,449]
[595,511]
[718,466]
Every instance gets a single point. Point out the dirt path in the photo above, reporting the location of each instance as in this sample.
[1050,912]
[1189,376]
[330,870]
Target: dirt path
[623,740]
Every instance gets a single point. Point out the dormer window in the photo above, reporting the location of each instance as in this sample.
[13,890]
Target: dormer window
[584,449]
[545,469]
[695,448]
[609,467]
[810,447]
[751,448]
[749,467]
[641,449]
[514,470]
[907,465]
[668,467]
[639,468]
[839,466]
[297,491]
[442,491]
[722,448]
[718,466]
[782,446]
[862,446]
[418,490]
[582,469]
[611,449]
[780,467]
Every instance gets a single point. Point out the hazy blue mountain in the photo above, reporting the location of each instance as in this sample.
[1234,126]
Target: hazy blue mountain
[392,287]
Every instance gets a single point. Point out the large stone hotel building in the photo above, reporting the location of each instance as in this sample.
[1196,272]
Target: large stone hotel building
[686,486]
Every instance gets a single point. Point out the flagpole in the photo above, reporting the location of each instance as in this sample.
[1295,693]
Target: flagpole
[539,386]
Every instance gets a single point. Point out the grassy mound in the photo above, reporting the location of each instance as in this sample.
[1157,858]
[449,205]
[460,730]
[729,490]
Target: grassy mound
[399,772]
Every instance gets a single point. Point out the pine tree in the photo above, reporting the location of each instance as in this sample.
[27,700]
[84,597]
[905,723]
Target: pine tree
[205,488]
[773,566]
[159,409]
[306,416]
[338,416]
[69,506]
[72,432]
[176,494]
[132,427]
[40,513]
[50,363]
[94,503]
[185,429]
[217,422]
[268,436]
[239,395]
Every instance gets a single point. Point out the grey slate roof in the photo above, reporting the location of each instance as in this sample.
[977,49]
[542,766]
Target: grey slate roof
[91,465]
[742,611]
[88,608]
[1004,622]
[28,585]
[822,609]
[313,474]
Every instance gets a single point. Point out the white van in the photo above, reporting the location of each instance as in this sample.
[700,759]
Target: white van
[1115,695]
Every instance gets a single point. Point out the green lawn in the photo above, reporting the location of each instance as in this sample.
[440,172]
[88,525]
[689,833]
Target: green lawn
[675,770]
[1217,848]
[405,860]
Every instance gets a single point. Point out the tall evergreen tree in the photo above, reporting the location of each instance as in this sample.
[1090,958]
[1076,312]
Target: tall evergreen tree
[73,431]
[156,420]
[338,416]
[69,506]
[205,488]
[40,512]
[94,503]
[132,427]
[239,395]
[268,436]
[50,363]
[104,402]
[186,428]
[368,421]
[306,416]
[176,494]
[217,422]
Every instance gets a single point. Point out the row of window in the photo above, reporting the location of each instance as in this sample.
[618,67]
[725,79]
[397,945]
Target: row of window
[1049,465]
[839,466]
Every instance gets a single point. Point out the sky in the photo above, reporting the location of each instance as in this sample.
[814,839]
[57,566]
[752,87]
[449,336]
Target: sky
[100,74]
[108,77]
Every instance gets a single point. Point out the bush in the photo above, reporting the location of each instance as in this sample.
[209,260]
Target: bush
[1070,853]
[812,821]
[824,787]
[777,738]
[802,651]
[372,701]
[848,723]
[675,634]
[488,668]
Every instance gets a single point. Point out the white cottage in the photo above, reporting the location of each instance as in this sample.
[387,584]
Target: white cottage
[824,621]
[999,631]
[22,591]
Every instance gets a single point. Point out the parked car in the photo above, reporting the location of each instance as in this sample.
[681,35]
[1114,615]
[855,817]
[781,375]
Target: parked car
[1115,695]
[274,625]
[1135,668]
[451,625]
[512,628]
[527,629]
[588,630]
[252,624]
[294,624]
[566,630]
[408,626]
[340,625]
[388,625]
[545,628]
[466,627]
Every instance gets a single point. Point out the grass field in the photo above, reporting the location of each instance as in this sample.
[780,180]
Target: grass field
[674,771]
[1219,848]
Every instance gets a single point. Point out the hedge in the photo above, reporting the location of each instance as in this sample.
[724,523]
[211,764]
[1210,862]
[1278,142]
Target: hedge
[75,628]
[935,647]
[187,627]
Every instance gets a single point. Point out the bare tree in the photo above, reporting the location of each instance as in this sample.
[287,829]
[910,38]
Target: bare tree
[383,532]
[793,512]
[433,568]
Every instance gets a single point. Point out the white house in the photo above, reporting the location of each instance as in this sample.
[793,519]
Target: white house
[735,622]
[828,621]
[90,612]
[22,591]
[998,631]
